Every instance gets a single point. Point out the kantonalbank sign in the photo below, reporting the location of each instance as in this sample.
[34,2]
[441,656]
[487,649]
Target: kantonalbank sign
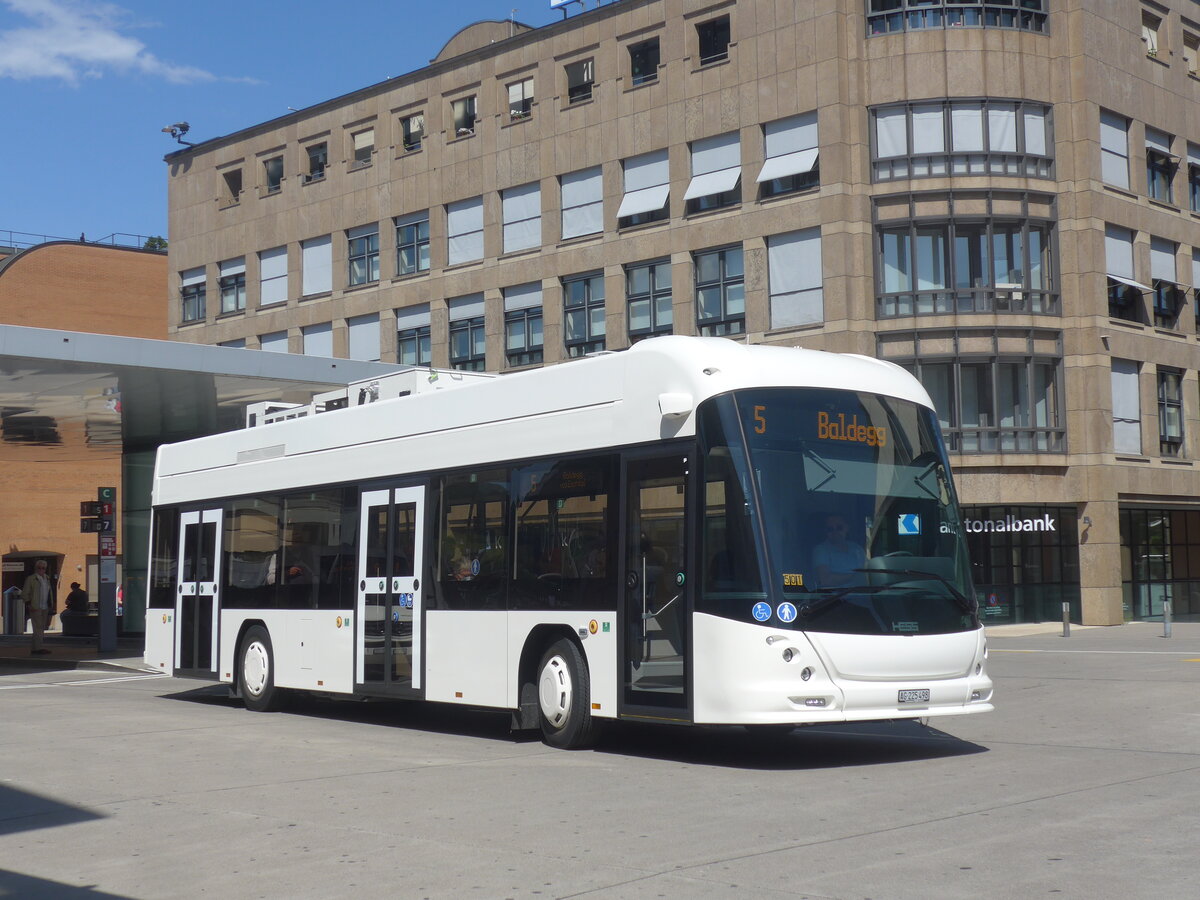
[1045,522]
[839,429]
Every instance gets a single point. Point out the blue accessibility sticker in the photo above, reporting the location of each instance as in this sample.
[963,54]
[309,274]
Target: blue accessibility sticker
[909,524]
[786,612]
[762,611]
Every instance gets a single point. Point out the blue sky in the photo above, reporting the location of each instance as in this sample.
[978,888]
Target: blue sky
[87,87]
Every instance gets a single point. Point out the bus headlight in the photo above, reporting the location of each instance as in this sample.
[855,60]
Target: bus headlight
[788,654]
[806,673]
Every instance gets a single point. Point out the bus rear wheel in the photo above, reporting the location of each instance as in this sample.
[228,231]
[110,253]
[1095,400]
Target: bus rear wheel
[564,697]
[256,672]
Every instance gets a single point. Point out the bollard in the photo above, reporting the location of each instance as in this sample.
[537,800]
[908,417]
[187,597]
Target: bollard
[1066,619]
[1166,618]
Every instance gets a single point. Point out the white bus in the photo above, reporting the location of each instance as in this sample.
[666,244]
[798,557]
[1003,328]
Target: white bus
[689,531]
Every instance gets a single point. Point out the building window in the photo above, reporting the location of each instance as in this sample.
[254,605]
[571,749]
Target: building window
[648,299]
[1125,295]
[1170,411]
[643,62]
[275,342]
[1168,295]
[232,285]
[889,16]
[1193,152]
[317,340]
[273,173]
[272,276]
[464,116]
[362,251]
[412,131]
[464,231]
[1159,552]
[716,173]
[468,344]
[316,259]
[412,243]
[232,187]
[989,266]
[413,343]
[521,212]
[1191,50]
[1196,281]
[523,324]
[1126,406]
[363,143]
[720,292]
[583,314]
[318,159]
[520,99]
[713,37]
[1151,27]
[582,203]
[794,276]
[580,78]
[994,392]
[790,152]
[1160,166]
[192,295]
[362,337]
[647,190]
[1114,149]
[932,139]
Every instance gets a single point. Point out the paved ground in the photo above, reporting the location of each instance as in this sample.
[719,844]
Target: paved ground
[1085,783]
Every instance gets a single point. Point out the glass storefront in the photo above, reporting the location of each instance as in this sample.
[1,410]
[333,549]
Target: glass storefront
[1024,562]
[1160,560]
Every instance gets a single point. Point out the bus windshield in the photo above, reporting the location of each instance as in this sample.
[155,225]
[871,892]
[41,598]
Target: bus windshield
[847,497]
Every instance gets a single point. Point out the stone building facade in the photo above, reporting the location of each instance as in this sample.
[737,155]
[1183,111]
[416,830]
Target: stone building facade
[1003,196]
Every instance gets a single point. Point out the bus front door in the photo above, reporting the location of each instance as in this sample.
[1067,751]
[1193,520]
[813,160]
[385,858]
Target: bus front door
[656,633]
[197,604]
[389,589]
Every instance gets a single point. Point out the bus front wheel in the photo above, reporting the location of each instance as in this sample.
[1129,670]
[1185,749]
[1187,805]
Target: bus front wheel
[564,697]
[257,672]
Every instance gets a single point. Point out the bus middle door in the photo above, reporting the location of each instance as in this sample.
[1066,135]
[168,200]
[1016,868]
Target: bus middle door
[389,588]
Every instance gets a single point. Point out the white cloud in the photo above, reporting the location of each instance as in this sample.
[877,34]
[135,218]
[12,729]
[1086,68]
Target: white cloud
[75,39]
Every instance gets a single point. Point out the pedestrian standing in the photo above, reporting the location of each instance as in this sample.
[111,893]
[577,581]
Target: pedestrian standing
[38,594]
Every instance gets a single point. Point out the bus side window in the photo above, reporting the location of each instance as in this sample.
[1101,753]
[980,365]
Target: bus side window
[473,540]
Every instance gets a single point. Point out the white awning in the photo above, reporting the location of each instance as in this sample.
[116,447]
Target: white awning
[713,183]
[799,163]
[643,201]
[1130,282]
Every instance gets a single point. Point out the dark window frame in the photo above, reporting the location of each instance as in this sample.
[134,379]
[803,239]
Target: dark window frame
[725,323]
[584,305]
[475,357]
[651,297]
[892,16]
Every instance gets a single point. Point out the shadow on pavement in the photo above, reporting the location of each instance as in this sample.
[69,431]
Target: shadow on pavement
[811,747]
[24,811]
[14,884]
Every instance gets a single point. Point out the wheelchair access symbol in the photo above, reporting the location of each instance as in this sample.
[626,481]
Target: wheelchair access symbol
[908,525]
[761,611]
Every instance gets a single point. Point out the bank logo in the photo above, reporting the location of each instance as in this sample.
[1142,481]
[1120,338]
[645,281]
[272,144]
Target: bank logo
[908,525]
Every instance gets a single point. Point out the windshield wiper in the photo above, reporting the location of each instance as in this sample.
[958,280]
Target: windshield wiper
[967,604]
[831,596]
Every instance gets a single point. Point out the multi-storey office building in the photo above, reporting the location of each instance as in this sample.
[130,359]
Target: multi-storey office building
[1002,196]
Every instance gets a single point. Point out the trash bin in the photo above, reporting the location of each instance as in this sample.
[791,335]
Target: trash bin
[14,613]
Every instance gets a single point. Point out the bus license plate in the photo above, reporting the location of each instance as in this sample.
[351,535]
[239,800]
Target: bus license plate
[915,696]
